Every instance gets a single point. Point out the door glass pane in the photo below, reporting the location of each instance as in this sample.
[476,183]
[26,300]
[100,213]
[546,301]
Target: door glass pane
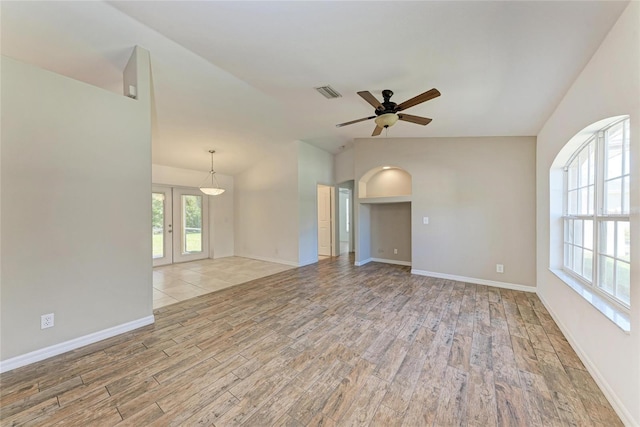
[157,224]
[191,224]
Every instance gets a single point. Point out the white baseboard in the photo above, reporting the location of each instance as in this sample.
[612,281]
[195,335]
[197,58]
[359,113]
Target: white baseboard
[275,260]
[496,284]
[392,261]
[54,350]
[609,393]
[361,263]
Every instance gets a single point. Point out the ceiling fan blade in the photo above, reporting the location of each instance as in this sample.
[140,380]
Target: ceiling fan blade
[377,131]
[414,119]
[355,121]
[430,94]
[367,96]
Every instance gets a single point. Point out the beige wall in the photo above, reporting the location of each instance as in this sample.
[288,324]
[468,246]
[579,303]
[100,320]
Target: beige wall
[608,86]
[388,182]
[266,208]
[344,166]
[76,191]
[479,196]
[221,214]
[276,204]
[315,166]
[391,229]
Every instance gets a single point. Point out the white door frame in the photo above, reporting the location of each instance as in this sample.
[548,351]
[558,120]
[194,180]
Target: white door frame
[179,238]
[166,231]
[172,230]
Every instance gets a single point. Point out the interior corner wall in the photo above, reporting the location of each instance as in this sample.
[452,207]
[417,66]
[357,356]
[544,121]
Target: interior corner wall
[608,86]
[344,166]
[76,191]
[315,166]
[479,196]
[221,208]
[266,207]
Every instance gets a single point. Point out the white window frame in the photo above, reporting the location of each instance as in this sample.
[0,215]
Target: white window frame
[598,216]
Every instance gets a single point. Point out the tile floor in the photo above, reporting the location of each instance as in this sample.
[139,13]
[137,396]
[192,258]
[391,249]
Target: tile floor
[178,282]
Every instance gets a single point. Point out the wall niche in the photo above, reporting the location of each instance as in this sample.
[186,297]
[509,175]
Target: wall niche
[388,182]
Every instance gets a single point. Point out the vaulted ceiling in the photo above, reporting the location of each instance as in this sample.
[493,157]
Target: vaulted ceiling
[239,76]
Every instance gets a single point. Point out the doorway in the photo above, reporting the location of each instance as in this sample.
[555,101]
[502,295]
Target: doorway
[180,225]
[325,210]
[345,229]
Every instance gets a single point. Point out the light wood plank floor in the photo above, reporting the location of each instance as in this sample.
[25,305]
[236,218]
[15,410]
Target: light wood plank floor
[327,344]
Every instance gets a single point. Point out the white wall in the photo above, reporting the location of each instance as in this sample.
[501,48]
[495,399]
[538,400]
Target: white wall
[479,195]
[266,208]
[76,191]
[221,208]
[315,166]
[608,86]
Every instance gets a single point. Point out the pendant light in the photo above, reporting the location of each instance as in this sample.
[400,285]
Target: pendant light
[211,190]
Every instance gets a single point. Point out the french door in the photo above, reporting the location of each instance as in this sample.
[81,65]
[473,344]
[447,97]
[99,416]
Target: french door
[180,225]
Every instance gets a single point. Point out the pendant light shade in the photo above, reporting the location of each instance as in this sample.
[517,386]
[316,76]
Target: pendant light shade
[386,120]
[213,189]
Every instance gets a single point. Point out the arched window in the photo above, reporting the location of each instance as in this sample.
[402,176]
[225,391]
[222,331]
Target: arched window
[596,242]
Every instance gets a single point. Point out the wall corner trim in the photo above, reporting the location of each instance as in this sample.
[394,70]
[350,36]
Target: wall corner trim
[63,347]
[361,263]
[504,285]
[609,393]
[392,261]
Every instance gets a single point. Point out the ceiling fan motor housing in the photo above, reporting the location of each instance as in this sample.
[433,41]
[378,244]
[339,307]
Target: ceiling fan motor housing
[388,106]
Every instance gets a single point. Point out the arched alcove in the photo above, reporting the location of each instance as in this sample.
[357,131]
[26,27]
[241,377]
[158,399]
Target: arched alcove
[384,216]
[385,181]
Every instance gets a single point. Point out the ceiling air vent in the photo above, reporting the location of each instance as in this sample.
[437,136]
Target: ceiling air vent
[328,92]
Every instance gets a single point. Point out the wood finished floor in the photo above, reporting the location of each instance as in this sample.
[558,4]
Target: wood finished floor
[327,344]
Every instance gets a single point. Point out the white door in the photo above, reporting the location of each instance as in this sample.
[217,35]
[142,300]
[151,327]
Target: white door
[180,219]
[324,220]
[190,225]
[161,224]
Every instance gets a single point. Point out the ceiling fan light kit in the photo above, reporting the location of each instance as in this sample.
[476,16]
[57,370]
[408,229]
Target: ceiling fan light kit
[387,112]
[386,120]
[213,189]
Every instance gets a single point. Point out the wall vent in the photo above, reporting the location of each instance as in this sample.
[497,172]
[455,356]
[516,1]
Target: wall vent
[328,92]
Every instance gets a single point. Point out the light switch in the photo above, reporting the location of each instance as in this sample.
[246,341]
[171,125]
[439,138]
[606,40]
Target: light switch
[425,220]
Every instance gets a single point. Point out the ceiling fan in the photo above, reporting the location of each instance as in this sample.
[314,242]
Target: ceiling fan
[388,112]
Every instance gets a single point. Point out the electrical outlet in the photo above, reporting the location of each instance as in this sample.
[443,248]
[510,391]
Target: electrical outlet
[395,251]
[46,321]
[499,268]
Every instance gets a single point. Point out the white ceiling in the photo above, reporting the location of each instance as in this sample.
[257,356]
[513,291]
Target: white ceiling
[239,76]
